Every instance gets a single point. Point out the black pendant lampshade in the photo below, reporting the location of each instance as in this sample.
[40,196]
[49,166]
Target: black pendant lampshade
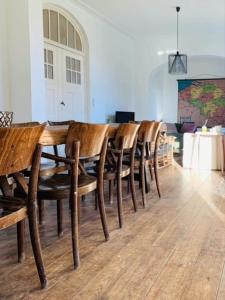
[177,63]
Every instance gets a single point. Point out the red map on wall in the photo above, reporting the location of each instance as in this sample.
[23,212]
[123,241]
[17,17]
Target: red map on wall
[202,99]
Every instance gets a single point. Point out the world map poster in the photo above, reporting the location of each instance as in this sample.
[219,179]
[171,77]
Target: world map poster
[200,100]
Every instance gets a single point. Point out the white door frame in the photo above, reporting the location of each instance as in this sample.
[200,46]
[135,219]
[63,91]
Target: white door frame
[84,53]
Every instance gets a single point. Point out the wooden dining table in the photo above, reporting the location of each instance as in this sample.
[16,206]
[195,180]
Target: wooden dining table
[56,135]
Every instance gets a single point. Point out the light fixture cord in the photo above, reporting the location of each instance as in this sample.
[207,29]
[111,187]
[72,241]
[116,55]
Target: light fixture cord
[177,30]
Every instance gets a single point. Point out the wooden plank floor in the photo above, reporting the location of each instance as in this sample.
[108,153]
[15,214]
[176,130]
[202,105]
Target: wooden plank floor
[173,249]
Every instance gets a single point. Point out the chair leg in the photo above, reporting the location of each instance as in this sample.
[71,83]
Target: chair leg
[133,190]
[78,209]
[142,179]
[75,230]
[41,211]
[111,191]
[36,246]
[119,200]
[60,217]
[156,177]
[151,173]
[128,186]
[148,179]
[96,200]
[139,178]
[21,240]
[101,205]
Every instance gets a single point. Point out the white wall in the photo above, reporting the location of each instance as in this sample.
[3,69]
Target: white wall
[4,88]
[37,60]
[19,59]
[111,56]
[125,74]
[156,91]
[163,89]
[22,59]
[111,63]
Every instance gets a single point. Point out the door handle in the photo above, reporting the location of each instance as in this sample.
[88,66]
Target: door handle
[62,103]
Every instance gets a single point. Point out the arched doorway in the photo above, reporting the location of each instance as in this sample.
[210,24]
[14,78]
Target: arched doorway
[65,66]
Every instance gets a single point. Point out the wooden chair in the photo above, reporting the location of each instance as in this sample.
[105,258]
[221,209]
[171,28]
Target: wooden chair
[124,143]
[146,155]
[93,143]
[145,133]
[152,153]
[49,169]
[20,150]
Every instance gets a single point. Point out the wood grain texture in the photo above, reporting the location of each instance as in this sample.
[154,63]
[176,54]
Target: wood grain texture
[91,137]
[17,147]
[172,249]
[20,150]
[129,132]
[56,134]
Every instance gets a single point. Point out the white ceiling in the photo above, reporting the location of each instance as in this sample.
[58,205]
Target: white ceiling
[141,18]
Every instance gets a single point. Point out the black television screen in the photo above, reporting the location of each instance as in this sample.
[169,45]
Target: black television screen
[124,116]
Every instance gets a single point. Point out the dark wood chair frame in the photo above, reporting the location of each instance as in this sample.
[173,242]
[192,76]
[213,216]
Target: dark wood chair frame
[147,157]
[115,170]
[50,170]
[79,190]
[18,209]
[72,193]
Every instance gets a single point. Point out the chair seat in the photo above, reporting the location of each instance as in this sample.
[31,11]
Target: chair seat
[12,210]
[51,169]
[125,171]
[58,186]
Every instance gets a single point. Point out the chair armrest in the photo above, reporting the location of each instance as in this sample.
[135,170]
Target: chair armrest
[58,158]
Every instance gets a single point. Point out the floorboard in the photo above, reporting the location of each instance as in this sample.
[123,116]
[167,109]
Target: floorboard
[173,249]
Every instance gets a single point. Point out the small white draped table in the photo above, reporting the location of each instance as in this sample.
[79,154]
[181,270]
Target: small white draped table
[204,151]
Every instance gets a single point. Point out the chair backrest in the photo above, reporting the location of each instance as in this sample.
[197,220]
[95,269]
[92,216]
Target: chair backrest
[128,131]
[149,131]
[156,130]
[145,131]
[28,124]
[53,123]
[17,146]
[91,137]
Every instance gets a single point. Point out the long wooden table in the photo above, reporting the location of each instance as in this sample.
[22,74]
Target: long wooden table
[56,135]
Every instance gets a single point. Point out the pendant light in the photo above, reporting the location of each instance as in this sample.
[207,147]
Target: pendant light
[177,62]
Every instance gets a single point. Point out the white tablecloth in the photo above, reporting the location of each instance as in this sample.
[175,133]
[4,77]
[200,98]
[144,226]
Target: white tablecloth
[203,151]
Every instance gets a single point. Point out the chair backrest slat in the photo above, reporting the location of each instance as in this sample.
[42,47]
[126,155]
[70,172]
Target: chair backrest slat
[91,137]
[17,146]
[128,131]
